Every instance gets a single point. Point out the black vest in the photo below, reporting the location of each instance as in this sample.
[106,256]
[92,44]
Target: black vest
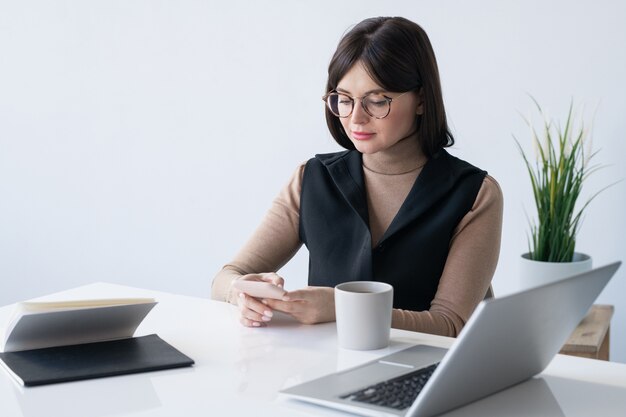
[334,225]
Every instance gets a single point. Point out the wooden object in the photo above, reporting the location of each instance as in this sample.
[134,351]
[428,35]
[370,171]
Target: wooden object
[591,338]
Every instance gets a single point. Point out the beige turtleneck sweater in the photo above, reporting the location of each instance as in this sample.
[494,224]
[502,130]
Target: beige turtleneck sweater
[472,259]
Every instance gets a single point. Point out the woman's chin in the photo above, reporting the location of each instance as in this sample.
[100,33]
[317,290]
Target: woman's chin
[365,147]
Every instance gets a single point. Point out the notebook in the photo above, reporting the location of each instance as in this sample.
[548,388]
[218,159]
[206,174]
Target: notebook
[42,324]
[92,360]
[507,340]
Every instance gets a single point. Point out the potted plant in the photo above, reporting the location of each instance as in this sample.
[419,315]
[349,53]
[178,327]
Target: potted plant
[557,174]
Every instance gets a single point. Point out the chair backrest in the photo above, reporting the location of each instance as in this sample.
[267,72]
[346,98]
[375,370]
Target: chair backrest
[489,293]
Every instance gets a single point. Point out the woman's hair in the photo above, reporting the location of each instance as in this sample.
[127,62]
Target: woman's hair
[398,56]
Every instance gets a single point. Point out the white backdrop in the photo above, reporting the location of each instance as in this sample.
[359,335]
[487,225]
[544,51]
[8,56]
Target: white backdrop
[142,141]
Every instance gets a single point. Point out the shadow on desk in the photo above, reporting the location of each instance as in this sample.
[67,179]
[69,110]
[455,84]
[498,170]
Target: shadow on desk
[97,398]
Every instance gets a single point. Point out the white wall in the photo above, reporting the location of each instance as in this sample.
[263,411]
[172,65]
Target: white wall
[142,141]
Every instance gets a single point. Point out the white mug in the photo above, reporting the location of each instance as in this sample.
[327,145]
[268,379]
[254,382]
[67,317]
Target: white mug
[363,314]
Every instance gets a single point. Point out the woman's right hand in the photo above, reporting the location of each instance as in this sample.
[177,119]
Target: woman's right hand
[253,311]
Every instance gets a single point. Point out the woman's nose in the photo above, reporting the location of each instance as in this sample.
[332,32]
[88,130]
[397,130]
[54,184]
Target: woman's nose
[359,116]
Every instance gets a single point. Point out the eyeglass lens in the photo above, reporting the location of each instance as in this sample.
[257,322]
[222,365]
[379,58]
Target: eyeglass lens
[376,105]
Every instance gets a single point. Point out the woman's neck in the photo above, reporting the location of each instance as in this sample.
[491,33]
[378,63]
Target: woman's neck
[405,156]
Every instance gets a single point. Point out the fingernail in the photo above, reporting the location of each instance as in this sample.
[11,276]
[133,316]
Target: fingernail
[286,298]
[264,301]
[256,323]
[265,318]
[268,313]
[242,295]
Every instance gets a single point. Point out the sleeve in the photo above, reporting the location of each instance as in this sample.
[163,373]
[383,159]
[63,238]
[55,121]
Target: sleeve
[275,241]
[471,263]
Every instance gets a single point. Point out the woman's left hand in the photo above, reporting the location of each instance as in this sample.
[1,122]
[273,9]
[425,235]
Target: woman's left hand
[309,305]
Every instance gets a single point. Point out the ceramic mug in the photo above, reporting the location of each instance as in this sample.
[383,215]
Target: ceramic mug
[363,314]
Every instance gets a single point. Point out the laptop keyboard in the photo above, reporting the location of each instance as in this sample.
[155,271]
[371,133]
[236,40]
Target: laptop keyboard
[398,393]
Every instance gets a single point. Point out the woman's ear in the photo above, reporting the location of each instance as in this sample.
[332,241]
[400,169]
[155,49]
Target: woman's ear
[419,110]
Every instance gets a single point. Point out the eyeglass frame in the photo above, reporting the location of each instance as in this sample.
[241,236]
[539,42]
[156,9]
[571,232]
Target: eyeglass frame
[360,99]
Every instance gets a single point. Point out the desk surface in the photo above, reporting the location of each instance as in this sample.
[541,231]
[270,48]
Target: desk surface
[239,371]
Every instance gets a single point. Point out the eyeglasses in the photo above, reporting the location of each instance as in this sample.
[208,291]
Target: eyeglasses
[376,105]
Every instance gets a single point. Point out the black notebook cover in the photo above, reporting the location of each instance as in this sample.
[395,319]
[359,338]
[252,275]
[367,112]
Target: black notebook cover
[93,360]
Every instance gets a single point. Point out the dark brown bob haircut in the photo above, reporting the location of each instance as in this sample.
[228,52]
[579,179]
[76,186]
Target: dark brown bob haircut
[397,54]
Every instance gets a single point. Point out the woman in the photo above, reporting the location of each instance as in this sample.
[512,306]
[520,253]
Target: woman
[394,207]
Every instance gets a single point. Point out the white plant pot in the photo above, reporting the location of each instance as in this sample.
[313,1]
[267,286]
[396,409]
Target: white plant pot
[535,273]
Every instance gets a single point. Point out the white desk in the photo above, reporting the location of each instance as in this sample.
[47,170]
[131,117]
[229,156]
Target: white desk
[239,371]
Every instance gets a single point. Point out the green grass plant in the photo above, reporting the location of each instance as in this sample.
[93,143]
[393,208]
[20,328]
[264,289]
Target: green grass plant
[557,176]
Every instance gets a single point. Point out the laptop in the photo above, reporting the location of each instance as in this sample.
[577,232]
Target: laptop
[507,340]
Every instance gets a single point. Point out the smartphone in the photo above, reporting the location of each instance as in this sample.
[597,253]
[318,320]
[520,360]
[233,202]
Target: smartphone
[259,289]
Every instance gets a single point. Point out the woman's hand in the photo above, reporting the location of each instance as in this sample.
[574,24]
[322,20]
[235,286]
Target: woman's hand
[255,312]
[309,305]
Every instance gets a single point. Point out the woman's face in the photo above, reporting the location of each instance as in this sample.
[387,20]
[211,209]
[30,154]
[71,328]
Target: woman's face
[368,134]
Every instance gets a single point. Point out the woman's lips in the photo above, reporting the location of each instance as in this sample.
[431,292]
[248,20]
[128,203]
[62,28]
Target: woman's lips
[362,135]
